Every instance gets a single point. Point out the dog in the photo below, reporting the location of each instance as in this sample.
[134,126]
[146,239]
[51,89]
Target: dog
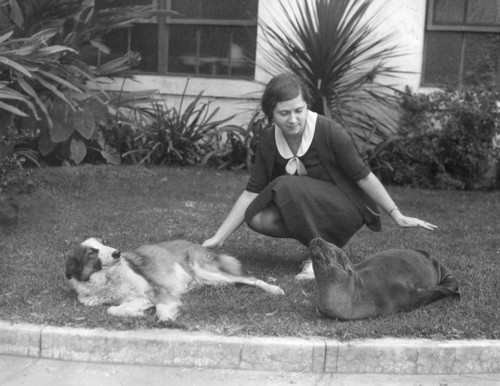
[151,276]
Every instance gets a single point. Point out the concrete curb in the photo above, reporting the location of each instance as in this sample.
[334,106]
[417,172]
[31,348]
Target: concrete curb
[165,347]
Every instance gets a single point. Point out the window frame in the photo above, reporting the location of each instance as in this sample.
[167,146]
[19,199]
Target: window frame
[164,20]
[430,26]
[462,29]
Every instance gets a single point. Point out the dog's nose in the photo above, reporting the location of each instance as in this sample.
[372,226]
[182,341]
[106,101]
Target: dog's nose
[116,254]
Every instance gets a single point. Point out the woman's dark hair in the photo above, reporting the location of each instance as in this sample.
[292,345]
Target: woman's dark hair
[282,88]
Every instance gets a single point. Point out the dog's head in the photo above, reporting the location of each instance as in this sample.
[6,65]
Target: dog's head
[88,257]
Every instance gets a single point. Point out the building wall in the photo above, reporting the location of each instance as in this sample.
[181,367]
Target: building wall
[405,17]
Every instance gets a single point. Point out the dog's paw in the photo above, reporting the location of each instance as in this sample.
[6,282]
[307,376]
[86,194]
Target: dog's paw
[275,290]
[167,312]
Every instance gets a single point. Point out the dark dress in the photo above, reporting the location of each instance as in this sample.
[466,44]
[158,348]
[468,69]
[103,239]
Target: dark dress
[313,205]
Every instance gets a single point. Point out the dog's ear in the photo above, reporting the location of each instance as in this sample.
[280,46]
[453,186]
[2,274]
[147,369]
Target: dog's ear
[82,262]
[73,265]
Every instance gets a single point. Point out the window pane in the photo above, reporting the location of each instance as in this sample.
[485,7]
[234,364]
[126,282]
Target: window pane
[189,9]
[243,52]
[217,9]
[442,58]
[204,52]
[182,45]
[449,12]
[481,58]
[212,50]
[229,9]
[483,12]
[144,39]
[101,4]
[90,55]
[117,42]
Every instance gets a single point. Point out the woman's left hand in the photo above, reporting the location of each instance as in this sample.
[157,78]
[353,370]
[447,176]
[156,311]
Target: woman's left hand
[411,222]
[374,188]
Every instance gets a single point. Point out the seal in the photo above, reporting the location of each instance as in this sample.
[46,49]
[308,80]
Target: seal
[391,281]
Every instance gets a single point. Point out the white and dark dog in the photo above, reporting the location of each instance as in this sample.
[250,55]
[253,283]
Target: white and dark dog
[151,276]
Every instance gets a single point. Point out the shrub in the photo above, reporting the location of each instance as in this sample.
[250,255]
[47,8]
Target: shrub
[43,77]
[14,178]
[236,145]
[445,140]
[171,136]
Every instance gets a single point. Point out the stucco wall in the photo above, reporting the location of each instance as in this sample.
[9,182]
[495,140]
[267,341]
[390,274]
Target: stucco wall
[405,17]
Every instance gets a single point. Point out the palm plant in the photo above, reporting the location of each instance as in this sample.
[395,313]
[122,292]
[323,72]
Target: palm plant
[336,47]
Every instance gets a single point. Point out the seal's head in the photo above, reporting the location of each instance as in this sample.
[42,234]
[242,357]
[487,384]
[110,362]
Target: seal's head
[329,261]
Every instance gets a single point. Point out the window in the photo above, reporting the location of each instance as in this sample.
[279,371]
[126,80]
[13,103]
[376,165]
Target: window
[462,42]
[215,38]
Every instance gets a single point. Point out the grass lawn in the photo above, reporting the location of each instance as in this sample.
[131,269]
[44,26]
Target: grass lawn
[130,206]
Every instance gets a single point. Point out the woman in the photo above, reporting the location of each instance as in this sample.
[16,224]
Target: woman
[308,180]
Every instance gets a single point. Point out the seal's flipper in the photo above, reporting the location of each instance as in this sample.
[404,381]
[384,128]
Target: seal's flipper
[446,289]
[434,296]
[445,278]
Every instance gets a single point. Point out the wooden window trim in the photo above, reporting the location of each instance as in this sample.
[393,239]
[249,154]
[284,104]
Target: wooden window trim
[162,17]
[455,27]
[165,20]
[232,23]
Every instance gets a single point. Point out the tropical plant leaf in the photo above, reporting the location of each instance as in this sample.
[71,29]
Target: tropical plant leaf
[16,14]
[14,65]
[64,122]
[12,109]
[32,93]
[8,93]
[78,150]
[84,123]
[59,80]
[111,156]
[28,153]
[45,144]
[53,50]
[53,89]
[119,66]
[100,46]
[6,36]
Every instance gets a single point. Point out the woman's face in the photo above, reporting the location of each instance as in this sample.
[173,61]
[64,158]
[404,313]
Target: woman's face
[290,116]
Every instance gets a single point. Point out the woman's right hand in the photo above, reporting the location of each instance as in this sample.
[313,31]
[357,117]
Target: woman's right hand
[234,219]
[212,242]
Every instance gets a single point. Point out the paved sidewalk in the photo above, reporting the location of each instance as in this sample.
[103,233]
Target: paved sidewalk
[166,347]
[19,371]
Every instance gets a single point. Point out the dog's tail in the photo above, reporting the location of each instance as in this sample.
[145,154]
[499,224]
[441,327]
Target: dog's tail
[230,265]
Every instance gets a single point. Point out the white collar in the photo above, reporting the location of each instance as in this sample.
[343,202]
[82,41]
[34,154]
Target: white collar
[307,138]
